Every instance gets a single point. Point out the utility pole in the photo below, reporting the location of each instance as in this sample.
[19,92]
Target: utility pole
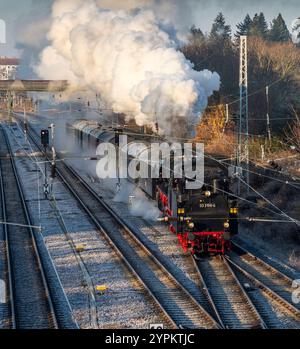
[262,152]
[25,123]
[227,117]
[268,116]
[9,106]
[37,106]
[53,162]
[243,125]
[45,143]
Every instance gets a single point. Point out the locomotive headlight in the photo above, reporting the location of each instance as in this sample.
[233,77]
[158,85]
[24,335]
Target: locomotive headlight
[191,225]
[226,225]
[207,193]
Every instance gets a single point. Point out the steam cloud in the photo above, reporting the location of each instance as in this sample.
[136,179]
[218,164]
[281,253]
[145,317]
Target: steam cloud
[296,32]
[140,206]
[128,51]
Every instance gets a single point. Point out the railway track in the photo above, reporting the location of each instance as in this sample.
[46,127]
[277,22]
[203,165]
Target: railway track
[222,278]
[84,270]
[274,314]
[193,286]
[30,301]
[180,308]
[232,306]
[275,284]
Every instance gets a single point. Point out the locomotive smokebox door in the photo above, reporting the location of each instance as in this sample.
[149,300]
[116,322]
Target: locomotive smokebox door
[45,138]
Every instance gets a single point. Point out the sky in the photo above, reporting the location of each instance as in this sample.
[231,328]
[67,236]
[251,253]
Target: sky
[12,12]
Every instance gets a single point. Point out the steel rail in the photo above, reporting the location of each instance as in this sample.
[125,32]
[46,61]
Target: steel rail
[8,255]
[80,183]
[226,294]
[275,283]
[46,301]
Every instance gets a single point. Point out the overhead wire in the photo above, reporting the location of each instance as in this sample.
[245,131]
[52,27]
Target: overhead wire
[259,174]
[293,177]
[230,103]
[220,161]
[271,203]
[290,219]
[208,156]
[230,194]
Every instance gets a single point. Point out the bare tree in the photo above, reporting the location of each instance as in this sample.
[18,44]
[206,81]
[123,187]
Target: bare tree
[293,132]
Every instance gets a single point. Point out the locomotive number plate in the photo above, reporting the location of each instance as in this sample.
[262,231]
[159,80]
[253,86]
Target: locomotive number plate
[208,205]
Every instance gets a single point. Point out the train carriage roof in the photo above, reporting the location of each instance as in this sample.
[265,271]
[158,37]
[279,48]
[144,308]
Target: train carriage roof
[137,147]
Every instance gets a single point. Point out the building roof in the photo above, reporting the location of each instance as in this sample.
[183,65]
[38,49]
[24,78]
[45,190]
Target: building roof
[9,61]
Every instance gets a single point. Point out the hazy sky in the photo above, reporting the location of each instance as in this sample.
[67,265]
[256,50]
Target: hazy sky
[234,11]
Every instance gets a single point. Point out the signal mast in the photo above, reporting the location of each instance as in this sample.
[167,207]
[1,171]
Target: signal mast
[243,122]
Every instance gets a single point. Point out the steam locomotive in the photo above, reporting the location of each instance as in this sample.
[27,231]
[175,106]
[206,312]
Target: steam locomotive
[204,219]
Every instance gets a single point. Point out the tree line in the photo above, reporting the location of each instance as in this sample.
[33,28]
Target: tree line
[273,66]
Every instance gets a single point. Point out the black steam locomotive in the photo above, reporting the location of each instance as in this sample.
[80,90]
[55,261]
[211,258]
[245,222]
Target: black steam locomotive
[204,219]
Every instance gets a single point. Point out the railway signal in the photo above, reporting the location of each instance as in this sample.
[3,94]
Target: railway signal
[10,105]
[45,138]
[118,133]
[53,163]
[45,143]
[268,117]
[25,122]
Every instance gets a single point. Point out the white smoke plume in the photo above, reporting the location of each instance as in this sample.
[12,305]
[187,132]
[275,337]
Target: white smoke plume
[128,51]
[139,204]
[296,30]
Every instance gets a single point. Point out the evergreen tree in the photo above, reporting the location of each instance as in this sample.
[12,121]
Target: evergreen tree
[220,30]
[259,26]
[279,31]
[197,37]
[243,28]
[196,31]
[263,25]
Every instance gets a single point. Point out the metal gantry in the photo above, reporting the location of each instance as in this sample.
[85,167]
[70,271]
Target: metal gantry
[243,125]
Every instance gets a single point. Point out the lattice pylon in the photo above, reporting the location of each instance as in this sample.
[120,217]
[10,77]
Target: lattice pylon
[243,125]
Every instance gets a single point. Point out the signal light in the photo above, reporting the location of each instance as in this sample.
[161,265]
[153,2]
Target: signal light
[101,288]
[80,248]
[226,225]
[45,138]
[234,210]
[191,225]
[181,211]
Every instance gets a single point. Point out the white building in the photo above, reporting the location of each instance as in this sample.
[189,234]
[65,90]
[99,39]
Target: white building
[8,68]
